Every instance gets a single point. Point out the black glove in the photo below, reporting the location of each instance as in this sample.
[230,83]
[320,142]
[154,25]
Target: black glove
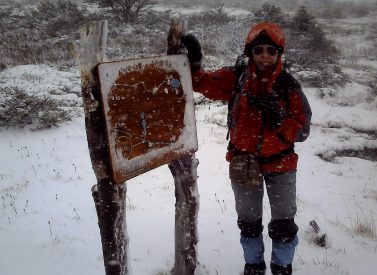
[273,113]
[194,51]
[240,65]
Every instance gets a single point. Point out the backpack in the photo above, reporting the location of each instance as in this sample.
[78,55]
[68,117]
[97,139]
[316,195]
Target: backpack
[240,70]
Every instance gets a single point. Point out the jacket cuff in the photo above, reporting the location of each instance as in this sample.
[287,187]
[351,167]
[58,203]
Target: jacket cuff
[197,76]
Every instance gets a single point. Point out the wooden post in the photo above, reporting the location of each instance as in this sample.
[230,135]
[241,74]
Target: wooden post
[109,198]
[186,214]
[186,192]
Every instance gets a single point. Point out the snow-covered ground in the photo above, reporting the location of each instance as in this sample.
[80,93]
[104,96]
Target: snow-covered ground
[48,222]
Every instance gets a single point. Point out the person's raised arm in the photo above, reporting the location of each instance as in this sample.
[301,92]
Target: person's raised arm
[216,85]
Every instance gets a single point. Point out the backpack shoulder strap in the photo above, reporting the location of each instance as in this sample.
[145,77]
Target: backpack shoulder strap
[285,82]
[240,70]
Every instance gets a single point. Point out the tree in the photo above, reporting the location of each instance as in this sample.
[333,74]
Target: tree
[271,13]
[126,10]
[310,49]
[314,38]
[303,20]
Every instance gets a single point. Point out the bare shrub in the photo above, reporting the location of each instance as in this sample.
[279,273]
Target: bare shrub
[42,35]
[126,10]
[210,17]
[224,41]
[19,109]
[45,11]
[159,20]
[58,18]
[47,34]
[139,42]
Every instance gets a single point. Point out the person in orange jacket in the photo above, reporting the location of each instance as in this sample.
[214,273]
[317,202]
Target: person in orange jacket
[268,113]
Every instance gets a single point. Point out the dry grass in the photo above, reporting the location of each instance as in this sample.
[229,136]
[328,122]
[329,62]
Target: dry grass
[330,264]
[364,226]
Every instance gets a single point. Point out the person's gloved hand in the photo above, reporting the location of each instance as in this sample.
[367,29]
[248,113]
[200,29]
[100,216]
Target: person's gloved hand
[273,114]
[240,65]
[194,51]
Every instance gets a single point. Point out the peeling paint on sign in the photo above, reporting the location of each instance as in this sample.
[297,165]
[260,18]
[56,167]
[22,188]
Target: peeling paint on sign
[149,112]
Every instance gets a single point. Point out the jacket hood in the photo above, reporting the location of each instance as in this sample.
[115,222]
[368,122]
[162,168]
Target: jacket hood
[265,33]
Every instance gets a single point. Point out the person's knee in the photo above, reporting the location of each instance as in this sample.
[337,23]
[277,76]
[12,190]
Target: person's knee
[282,230]
[250,229]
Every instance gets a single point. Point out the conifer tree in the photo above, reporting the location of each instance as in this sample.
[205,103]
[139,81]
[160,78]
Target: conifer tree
[271,13]
[302,20]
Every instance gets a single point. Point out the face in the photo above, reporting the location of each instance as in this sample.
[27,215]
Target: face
[265,57]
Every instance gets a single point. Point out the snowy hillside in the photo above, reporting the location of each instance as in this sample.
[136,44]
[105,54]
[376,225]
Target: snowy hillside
[48,221]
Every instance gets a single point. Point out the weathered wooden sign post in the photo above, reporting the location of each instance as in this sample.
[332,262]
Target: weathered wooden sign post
[109,198]
[185,178]
[139,115]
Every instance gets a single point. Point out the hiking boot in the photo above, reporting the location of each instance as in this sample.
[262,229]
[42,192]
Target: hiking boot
[281,270]
[255,269]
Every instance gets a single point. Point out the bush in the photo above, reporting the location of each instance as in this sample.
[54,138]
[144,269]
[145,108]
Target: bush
[47,10]
[309,49]
[337,9]
[42,35]
[302,20]
[210,17]
[20,109]
[126,10]
[271,13]
[221,36]
[153,20]
[57,19]
[47,36]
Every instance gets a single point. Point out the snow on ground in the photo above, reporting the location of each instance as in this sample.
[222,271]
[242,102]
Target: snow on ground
[48,222]
[43,80]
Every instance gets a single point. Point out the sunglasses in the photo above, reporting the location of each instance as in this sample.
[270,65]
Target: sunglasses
[258,50]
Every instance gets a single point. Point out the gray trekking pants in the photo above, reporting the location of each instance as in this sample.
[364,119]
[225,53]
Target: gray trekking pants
[248,187]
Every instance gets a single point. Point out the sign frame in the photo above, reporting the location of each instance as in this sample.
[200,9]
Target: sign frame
[123,166]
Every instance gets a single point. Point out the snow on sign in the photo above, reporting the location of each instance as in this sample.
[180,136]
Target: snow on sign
[149,112]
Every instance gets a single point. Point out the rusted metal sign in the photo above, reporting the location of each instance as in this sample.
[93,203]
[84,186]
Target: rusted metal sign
[149,112]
